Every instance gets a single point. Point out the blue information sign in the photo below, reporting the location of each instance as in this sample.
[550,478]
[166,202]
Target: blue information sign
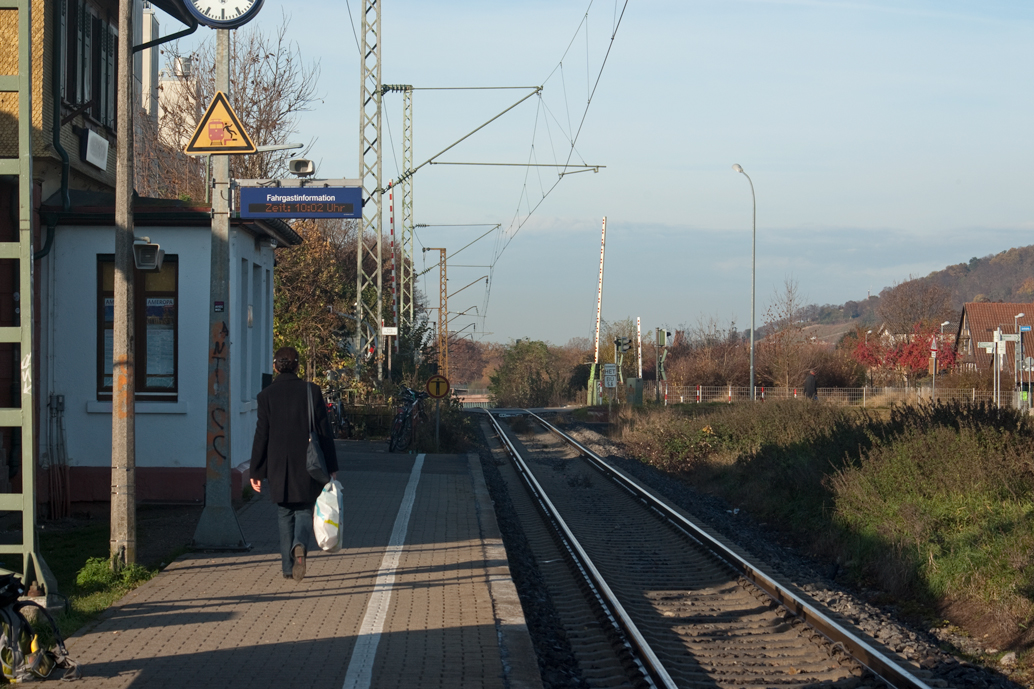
[301,202]
[1024,328]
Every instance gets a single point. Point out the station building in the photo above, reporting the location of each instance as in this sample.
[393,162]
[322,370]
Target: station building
[73,145]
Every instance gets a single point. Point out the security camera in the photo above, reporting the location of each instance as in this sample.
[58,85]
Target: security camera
[148,256]
[301,167]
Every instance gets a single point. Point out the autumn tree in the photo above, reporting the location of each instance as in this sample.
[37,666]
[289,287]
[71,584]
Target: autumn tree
[307,286]
[531,375]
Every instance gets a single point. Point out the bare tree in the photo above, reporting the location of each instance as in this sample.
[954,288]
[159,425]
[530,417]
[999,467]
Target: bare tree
[270,86]
[783,352]
[915,301]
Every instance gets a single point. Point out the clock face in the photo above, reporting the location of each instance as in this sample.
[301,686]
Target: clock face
[224,14]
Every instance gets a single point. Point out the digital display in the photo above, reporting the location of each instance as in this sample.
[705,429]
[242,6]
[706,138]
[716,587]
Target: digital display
[293,202]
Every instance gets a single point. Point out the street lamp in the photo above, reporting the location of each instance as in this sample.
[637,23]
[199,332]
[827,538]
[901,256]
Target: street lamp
[1016,331]
[753,254]
[949,323]
[868,369]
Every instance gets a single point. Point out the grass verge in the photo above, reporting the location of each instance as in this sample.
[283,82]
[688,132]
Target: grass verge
[933,505]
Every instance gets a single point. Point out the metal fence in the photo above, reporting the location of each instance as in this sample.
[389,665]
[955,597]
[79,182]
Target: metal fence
[865,397]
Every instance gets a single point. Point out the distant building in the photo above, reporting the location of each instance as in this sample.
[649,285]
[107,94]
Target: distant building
[978,322]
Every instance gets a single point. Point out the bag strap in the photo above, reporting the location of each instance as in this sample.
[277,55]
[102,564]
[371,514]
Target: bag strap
[59,651]
[308,396]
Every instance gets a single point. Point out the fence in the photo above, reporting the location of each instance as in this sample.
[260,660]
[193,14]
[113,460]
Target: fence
[876,397]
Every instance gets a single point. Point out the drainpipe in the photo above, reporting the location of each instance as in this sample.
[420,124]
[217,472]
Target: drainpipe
[55,70]
[66,202]
[51,219]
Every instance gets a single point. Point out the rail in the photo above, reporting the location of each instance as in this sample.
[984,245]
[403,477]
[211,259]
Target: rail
[891,671]
[652,667]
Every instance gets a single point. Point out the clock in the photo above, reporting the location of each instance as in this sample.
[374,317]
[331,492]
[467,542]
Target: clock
[223,14]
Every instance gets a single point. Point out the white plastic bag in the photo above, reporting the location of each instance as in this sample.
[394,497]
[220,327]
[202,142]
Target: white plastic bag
[326,518]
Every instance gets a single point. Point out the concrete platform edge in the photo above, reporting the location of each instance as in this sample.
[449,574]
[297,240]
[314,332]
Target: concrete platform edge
[518,654]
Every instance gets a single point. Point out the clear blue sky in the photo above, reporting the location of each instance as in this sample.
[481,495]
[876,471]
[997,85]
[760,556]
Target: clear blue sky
[885,139]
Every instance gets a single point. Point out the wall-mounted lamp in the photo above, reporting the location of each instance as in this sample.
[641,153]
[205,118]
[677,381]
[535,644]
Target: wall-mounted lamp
[147,256]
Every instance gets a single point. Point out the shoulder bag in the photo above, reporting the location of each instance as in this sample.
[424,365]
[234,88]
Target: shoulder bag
[315,463]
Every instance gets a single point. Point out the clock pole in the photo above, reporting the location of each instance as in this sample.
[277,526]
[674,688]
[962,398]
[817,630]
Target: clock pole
[218,528]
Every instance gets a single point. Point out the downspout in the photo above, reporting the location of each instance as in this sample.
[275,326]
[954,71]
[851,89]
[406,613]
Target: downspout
[55,70]
[66,202]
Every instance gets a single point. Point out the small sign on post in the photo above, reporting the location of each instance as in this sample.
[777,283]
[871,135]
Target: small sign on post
[437,387]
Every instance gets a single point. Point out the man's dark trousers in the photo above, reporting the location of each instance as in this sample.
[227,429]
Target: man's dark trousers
[295,519]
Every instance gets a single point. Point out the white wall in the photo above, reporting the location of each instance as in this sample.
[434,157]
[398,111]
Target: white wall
[251,347]
[168,434]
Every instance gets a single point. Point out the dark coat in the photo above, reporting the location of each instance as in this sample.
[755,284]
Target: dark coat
[811,388]
[282,438]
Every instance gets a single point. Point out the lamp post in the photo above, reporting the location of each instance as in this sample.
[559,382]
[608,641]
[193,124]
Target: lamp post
[1017,379]
[753,254]
[868,369]
[949,323]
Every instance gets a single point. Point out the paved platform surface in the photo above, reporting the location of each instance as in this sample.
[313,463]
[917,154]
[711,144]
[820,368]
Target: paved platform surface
[419,596]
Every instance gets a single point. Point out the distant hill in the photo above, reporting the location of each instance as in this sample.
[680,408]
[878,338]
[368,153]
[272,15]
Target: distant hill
[1007,276]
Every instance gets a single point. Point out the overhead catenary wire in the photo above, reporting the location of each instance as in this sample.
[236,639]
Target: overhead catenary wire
[518,222]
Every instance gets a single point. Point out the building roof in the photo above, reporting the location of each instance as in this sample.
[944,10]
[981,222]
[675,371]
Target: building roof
[98,208]
[978,322]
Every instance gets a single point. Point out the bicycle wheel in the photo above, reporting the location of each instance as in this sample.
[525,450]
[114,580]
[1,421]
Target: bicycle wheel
[406,434]
[396,432]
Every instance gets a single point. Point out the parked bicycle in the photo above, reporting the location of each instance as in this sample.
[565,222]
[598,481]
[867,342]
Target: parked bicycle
[339,424]
[410,413]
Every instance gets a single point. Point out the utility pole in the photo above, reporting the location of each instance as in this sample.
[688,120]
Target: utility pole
[218,529]
[599,311]
[123,372]
[370,173]
[443,311]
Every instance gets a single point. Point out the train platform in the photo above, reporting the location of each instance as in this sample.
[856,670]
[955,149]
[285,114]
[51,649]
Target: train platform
[420,595]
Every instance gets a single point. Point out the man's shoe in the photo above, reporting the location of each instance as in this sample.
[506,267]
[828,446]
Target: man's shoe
[298,569]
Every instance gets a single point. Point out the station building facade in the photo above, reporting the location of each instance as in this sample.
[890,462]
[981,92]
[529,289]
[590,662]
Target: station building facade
[73,149]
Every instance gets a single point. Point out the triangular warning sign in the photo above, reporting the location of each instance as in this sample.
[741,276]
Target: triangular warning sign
[220,131]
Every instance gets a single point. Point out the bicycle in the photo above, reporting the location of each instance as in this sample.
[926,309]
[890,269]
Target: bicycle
[410,412]
[339,424]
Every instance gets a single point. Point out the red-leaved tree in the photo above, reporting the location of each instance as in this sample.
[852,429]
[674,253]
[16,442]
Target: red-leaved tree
[908,358]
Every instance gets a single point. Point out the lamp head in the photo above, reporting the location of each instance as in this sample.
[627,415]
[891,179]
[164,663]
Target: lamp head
[737,168]
[949,322]
[1019,315]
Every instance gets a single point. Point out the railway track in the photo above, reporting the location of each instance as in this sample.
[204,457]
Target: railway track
[672,604]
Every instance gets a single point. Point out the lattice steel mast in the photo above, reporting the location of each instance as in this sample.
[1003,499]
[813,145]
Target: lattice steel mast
[406,273]
[370,170]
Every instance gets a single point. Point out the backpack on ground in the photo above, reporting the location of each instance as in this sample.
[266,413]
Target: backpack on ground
[21,658]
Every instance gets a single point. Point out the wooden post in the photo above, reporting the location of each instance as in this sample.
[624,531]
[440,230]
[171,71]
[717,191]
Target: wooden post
[123,382]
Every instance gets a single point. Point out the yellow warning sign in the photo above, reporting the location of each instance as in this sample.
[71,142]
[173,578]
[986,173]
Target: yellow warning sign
[220,131]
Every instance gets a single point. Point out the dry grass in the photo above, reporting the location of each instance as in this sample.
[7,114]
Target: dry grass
[933,504]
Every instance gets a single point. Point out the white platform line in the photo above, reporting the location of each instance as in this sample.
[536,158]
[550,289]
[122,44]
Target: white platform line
[360,667]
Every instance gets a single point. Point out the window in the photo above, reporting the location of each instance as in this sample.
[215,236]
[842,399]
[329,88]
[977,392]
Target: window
[90,44]
[156,316]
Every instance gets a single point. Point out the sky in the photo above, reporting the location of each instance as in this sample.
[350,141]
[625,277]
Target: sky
[885,140]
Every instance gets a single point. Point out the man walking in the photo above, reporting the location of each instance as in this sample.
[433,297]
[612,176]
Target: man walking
[278,456]
[811,388]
